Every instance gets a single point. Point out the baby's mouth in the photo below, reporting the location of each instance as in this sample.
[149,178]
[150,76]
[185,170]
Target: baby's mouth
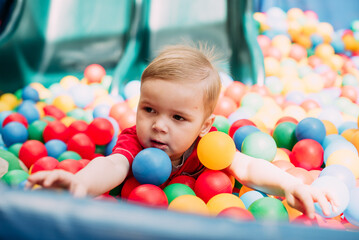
[158,144]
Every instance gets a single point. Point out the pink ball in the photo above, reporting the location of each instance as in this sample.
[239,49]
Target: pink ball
[211,183]
[94,73]
[148,195]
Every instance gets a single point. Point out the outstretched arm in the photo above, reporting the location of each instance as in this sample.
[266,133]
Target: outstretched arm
[264,176]
[99,176]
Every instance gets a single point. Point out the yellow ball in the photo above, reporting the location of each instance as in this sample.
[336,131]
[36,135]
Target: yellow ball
[216,150]
[189,204]
[313,83]
[292,212]
[330,128]
[292,84]
[69,81]
[349,133]
[314,112]
[4,106]
[9,99]
[222,201]
[271,66]
[295,111]
[281,155]
[40,108]
[295,14]
[310,27]
[64,103]
[67,120]
[283,43]
[324,51]
[346,158]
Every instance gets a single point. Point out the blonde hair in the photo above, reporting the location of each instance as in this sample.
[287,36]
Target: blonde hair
[186,63]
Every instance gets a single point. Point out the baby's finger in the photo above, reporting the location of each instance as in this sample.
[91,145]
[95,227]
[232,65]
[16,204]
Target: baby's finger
[78,191]
[322,201]
[57,176]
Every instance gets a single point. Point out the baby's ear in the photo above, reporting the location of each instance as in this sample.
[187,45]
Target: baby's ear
[207,125]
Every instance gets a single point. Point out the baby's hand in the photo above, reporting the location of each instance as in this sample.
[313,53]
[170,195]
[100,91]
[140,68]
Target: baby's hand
[57,179]
[302,197]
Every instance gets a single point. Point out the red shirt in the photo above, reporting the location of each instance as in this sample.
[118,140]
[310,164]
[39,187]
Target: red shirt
[128,145]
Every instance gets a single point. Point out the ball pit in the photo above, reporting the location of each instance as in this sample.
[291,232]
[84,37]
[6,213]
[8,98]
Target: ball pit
[306,55]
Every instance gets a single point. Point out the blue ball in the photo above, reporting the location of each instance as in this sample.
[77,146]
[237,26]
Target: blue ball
[152,166]
[249,197]
[29,111]
[241,133]
[310,128]
[337,189]
[55,148]
[341,172]
[110,146]
[101,110]
[3,115]
[351,213]
[29,93]
[14,132]
[336,145]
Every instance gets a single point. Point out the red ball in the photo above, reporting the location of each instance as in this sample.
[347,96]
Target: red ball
[78,126]
[225,106]
[15,117]
[237,213]
[44,163]
[211,183]
[238,124]
[70,165]
[235,91]
[184,179]
[149,195]
[130,184]
[31,151]
[286,119]
[53,111]
[101,131]
[82,144]
[94,73]
[56,130]
[84,162]
[307,154]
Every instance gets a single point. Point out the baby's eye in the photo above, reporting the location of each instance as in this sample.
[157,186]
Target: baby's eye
[149,110]
[178,118]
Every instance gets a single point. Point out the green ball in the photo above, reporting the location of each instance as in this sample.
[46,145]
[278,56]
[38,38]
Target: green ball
[69,155]
[269,209]
[36,129]
[48,118]
[15,148]
[101,149]
[252,100]
[14,162]
[259,145]
[15,177]
[284,135]
[222,124]
[76,113]
[177,189]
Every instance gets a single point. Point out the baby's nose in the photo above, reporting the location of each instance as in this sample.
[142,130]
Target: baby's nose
[160,125]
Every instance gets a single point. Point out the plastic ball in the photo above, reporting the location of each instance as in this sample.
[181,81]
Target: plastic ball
[70,165]
[44,163]
[351,213]
[307,154]
[184,179]
[238,124]
[189,204]
[31,151]
[225,106]
[29,93]
[148,195]
[235,90]
[36,130]
[10,100]
[310,128]
[100,130]
[340,172]
[222,124]
[130,184]
[15,148]
[324,51]
[330,128]
[259,145]
[284,135]
[69,155]
[210,183]
[82,95]
[337,145]
[29,110]
[64,103]
[94,73]
[236,213]
[252,100]
[14,177]
[175,190]
[222,201]
[15,117]
[346,158]
[78,126]
[241,133]
[269,209]
[337,189]
[14,132]
[249,197]
[55,148]
[101,110]
[55,130]
[216,150]
[53,111]
[82,144]
[151,166]
[69,81]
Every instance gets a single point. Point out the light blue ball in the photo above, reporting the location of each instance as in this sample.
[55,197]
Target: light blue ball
[336,145]
[101,110]
[337,189]
[29,93]
[152,166]
[249,197]
[347,125]
[341,172]
[331,138]
[29,111]
[351,213]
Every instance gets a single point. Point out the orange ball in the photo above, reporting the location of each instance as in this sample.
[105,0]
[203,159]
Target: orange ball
[309,104]
[222,201]
[324,51]
[297,52]
[94,73]
[118,110]
[235,91]
[349,92]
[189,204]
[349,133]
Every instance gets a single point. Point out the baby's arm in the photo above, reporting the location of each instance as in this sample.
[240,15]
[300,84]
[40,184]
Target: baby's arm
[99,176]
[264,176]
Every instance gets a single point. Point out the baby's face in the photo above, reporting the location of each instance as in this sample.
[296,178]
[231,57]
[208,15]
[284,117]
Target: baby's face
[170,116]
